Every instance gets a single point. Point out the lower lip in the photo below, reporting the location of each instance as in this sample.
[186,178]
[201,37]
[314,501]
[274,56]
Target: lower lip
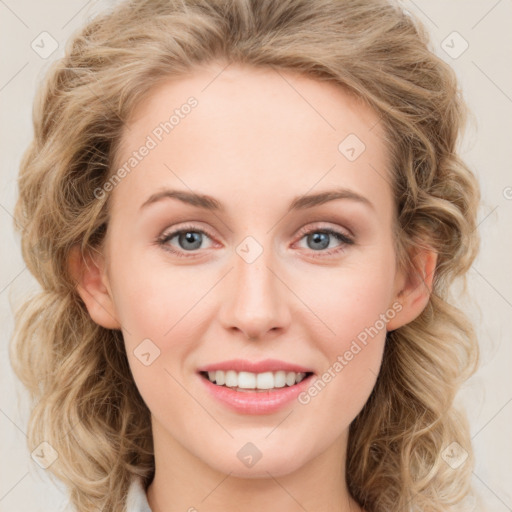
[256,402]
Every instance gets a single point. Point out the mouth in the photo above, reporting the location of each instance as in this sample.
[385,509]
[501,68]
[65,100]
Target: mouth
[249,382]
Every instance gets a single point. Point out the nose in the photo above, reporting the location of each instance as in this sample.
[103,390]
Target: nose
[256,298]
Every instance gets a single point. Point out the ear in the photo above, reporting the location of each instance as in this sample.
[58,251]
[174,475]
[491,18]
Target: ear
[91,281]
[414,288]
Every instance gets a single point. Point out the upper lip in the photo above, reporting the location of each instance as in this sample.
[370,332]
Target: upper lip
[243,365]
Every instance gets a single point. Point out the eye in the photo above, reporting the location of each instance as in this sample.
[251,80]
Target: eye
[319,239]
[188,238]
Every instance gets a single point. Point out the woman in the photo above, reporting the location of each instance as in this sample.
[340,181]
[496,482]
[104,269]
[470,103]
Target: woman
[303,353]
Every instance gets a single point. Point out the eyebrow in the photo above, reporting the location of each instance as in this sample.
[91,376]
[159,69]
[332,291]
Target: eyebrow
[299,203]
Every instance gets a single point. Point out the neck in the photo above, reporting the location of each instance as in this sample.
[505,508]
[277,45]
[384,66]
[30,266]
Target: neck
[184,482]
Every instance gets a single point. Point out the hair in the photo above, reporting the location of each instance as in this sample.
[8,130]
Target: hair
[84,401]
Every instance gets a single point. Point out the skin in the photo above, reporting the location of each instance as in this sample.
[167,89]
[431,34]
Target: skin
[256,140]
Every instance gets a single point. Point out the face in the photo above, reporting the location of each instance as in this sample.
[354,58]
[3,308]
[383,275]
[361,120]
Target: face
[259,270]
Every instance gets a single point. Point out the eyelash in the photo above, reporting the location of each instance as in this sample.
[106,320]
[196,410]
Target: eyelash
[341,237]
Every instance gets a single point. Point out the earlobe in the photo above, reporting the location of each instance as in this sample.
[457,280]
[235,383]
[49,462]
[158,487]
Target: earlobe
[88,272]
[416,287]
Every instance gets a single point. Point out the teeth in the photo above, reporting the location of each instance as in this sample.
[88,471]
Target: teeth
[248,380]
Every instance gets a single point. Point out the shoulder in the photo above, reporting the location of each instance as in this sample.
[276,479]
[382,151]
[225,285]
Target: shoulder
[136,500]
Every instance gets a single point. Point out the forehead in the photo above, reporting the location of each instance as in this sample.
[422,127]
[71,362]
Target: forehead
[249,128]
[251,94]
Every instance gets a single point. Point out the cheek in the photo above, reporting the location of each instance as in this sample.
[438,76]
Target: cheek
[151,301]
[348,301]
[152,308]
[352,306]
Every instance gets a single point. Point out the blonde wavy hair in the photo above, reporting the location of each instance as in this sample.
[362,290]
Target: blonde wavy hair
[84,400]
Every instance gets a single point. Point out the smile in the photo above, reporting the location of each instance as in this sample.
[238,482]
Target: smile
[248,381]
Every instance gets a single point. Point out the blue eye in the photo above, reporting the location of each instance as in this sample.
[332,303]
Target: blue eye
[190,238]
[319,239]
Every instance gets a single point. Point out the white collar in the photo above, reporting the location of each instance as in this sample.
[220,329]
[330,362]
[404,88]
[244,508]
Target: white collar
[136,500]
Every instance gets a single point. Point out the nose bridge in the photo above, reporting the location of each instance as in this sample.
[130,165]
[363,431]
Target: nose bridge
[256,301]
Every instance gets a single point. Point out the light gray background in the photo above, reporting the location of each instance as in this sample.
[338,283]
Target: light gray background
[485,76]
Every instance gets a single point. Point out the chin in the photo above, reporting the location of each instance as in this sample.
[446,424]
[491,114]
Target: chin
[275,465]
